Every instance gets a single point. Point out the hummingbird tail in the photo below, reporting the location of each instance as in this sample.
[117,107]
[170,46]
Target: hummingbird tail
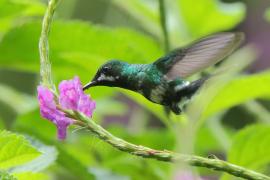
[193,87]
[186,93]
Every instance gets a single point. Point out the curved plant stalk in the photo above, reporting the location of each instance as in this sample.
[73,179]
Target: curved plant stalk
[120,144]
[45,65]
[163,23]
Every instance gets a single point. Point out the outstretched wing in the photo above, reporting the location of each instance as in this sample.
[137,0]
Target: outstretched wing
[199,55]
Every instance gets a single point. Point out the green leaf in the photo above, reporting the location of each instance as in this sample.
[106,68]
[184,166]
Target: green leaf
[48,156]
[250,148]
[209,16]
[144,12]
[31,175]
[13,12]
[76,48]
[76,45]
[15,150]
[67,161]
[203,147]
[256,86]
[32,124]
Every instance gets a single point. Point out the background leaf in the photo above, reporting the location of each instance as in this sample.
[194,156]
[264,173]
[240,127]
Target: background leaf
[15,150]
[211,16]
[46,132]
[145,12]
[47,158]
[81,54]
[18,101]
[256,86]
[14,12]
[87,43]
[250,148]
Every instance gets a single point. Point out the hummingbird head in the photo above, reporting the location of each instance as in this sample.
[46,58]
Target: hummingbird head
[109,74]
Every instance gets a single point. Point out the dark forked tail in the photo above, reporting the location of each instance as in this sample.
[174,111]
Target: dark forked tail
[186,93]
[193,87]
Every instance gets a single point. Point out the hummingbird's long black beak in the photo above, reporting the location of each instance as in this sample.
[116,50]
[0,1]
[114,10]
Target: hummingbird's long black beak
[88,85]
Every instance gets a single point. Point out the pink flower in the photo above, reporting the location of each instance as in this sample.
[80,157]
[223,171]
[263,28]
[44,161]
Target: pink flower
[62,125]
[49,111]
[71,97]
[47,105]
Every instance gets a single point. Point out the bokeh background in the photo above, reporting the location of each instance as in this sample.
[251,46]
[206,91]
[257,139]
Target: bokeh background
[229,117]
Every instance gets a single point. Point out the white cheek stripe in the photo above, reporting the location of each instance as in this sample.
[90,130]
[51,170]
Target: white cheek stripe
[102,77]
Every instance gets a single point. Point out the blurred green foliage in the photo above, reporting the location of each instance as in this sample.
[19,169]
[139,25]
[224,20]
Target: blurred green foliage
[214,16]
[15,12]
[186,21]
[234,90]
[16,151]
[250,148]
[79,48]
[267,14]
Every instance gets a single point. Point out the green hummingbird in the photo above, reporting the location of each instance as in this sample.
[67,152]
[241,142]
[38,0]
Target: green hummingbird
[164,81]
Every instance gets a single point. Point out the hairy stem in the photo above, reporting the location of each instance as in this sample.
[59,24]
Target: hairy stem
[122,145]
[163,22]
[45,66]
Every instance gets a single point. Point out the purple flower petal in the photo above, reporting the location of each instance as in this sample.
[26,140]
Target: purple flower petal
[62,124]
[73,97]
[48,108]
[49,111]
[86,105]
[69,94]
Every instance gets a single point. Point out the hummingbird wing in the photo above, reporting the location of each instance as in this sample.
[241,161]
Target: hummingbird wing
[199,55]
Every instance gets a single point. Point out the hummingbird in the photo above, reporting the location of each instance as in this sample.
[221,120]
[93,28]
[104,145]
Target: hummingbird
[165,80]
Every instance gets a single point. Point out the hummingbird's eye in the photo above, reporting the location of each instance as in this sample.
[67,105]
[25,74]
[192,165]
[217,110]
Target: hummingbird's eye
[106,69]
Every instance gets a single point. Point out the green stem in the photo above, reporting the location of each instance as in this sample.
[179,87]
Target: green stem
[122,145]
[164,155]
[163,22]
[45,66]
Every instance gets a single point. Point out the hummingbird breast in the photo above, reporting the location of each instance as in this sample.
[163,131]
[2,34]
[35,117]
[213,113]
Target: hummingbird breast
[157,94]
[154,88]
[163,91]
